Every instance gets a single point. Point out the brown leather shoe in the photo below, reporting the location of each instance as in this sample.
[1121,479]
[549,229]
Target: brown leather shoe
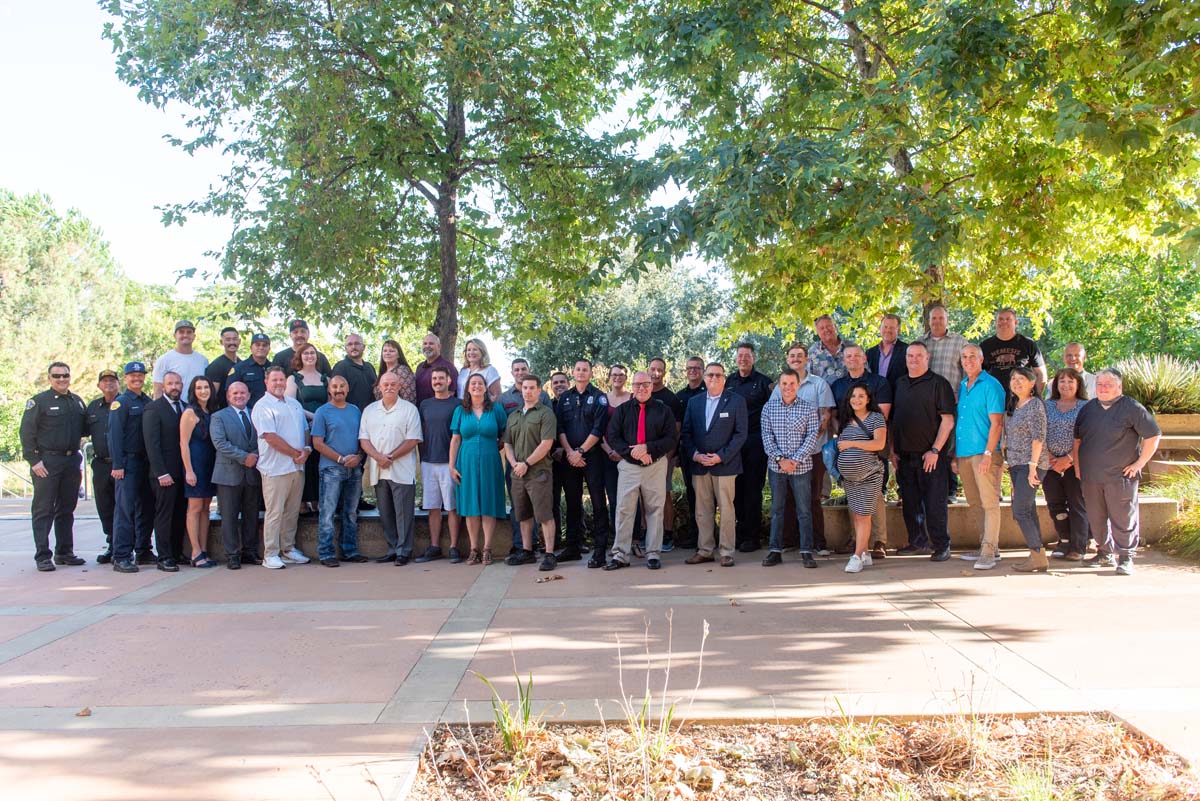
[698,559]
[726,561]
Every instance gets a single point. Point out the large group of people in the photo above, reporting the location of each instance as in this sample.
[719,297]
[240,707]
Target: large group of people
[294,435]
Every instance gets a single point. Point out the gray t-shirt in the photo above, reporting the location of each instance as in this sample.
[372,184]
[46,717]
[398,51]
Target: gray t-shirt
[435,423]
[1110,439]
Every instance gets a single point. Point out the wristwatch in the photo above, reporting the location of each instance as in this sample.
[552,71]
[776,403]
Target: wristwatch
[934,451]
[987,453]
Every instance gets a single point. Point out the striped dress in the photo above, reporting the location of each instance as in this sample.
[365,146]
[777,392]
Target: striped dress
[862,471]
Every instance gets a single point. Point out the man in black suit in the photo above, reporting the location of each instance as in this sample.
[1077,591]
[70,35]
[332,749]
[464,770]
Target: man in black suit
[887,358]
[715,427]
[160,427]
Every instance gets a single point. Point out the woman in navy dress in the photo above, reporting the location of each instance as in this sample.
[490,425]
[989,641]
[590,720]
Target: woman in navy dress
[198,458]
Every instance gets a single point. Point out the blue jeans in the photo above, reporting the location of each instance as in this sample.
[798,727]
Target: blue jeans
[800,485]
[1024,505]
[340,488]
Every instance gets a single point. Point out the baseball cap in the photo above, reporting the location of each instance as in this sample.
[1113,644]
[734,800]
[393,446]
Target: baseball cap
[135,367]
[184,324]
[107,374]
[260,338]
[297,323]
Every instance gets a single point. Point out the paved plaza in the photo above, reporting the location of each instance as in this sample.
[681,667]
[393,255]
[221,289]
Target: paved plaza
[313,683]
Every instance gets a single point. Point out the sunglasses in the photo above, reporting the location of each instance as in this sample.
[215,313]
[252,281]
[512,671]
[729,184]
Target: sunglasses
[60,376]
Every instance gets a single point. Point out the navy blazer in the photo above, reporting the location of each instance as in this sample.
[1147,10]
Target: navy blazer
[730,426]
[896,367]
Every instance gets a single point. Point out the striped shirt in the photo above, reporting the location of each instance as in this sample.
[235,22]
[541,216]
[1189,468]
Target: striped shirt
[945,356]
[790,432]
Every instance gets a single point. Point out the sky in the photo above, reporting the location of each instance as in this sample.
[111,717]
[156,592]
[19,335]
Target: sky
[73,131]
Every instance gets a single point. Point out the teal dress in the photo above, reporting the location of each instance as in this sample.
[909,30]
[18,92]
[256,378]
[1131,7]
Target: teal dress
[481,489]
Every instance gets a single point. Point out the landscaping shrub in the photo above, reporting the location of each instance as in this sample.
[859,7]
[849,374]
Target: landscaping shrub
[1163,384]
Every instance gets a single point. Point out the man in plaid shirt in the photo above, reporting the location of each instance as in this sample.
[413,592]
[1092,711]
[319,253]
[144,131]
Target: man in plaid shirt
[945,347]
[791,431]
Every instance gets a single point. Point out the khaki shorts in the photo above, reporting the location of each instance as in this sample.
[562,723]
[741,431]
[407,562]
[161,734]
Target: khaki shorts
[533,496]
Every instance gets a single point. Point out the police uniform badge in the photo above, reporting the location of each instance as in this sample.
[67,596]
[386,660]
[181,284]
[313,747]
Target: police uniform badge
[29,404]
[231,369]
[590,399]
[115,405]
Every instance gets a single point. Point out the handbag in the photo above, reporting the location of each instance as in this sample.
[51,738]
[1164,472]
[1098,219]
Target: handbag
[829,453]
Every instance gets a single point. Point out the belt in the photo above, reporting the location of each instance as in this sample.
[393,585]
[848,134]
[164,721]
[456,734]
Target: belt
[58,453]
[102,459]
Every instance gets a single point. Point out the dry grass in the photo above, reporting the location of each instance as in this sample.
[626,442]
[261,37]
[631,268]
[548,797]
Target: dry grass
[1048,758]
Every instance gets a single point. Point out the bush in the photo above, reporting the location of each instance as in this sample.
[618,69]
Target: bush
[1183,532]
[1163,384]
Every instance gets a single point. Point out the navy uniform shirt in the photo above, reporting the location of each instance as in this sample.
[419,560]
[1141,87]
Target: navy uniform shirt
[51,429]
[125,439]
[755,389]
[253,375]
[581,414]
[97,427]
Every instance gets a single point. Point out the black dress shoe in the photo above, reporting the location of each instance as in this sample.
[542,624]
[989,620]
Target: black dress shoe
[104,558]
[748,547]
[146,558]
[907,550]
[391,557]
[365,506]
[940,555]
[653,563]
[615,564]
[358,558]
[45,566]
[548,563]
[125,566]
[168,565]
[234,563]
[808,560]
[431,553]
[593,563]
[331,562]
[568,554]
[773,558]
[251,560]
[521,557]
[402,560]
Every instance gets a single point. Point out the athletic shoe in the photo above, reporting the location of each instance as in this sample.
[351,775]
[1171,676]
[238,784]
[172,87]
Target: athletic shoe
[294,557]
[866,559]
[969,556]
[548,563]
[273,563]
[1125,566]
[854,565]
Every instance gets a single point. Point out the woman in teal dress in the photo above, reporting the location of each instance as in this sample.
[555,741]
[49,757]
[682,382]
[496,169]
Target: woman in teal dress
[475,458]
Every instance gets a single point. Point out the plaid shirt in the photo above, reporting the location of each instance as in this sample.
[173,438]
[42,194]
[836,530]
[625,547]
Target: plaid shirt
[945,356]
[823,364]
[790,432]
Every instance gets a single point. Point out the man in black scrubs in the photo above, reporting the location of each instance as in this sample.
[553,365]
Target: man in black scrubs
[755,389]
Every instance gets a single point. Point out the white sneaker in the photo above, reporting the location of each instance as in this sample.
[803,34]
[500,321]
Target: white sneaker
[986,561]
[824,552]
[866,559]
[295,557]
[855,565]
[273,563]
[969,556]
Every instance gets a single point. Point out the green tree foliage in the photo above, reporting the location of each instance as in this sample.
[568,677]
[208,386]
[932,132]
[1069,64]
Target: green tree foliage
[1123,307]
[394,159]
[665,312]
[856,153]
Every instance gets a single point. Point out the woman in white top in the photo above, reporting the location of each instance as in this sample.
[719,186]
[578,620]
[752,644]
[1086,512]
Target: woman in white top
[476,362]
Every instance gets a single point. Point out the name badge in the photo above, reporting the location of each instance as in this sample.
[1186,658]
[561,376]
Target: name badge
[723,414]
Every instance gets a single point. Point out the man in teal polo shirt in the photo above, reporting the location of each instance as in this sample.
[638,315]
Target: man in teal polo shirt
[980,423]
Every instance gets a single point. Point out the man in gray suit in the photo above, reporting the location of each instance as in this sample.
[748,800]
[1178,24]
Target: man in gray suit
[237,481]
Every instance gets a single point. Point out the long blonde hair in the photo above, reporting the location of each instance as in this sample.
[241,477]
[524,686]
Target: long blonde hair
[484,359]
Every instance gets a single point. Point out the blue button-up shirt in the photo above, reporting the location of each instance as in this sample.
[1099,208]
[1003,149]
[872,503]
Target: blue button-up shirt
[790,432]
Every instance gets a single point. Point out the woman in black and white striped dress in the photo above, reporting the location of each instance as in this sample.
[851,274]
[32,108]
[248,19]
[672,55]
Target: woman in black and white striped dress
[862,435]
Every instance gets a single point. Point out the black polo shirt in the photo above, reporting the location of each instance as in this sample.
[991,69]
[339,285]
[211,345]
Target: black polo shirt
[361,378]
[755,389]
[218,373]
[671,401]
[881,390]
[917,410]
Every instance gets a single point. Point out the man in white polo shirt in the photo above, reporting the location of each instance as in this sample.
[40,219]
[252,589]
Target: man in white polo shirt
[282,450]
[389,434]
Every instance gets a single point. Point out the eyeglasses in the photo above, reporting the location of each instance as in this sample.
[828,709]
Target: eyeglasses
[692,367]
[642,384]
[714,375]
[60,376]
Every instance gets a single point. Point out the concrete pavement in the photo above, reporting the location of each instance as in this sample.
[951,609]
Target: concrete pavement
[316,683]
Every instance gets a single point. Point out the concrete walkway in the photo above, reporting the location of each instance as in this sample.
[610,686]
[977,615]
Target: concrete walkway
[312,683]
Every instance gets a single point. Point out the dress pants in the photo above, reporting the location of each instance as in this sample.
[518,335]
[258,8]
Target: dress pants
[712,493]
[281,502]
[1113,512]
[574,480]
[239,519]
[53,506]
[397,503]
[104,490]
[925,499]
[170,520]
[749,491]
[647,483]
[983,492]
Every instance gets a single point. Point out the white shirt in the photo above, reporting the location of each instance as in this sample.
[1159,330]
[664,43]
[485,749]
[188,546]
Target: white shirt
[490,374]
[710,408]
[187,365]
[284,418]
[386,429]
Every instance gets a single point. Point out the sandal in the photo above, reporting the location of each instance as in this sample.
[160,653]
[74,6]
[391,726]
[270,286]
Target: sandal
[487,556]
[202,560]
[474,558]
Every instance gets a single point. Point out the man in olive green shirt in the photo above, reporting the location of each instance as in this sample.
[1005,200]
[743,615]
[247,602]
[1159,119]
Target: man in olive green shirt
[527,442]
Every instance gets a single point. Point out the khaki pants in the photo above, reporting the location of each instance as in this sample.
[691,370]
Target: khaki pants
[878,522]
[713,492]
[983,491]
[648,482]
[281,497]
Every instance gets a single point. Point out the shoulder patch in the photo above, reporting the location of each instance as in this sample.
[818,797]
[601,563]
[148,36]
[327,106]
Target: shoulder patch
[603,400]
[115,405]
[29,404]
[231,369]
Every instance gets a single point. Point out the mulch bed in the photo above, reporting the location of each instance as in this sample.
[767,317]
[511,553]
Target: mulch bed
[1045,758]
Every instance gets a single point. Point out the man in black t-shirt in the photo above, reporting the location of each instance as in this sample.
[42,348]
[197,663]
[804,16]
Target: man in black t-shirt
[755,389]
[218,368]
[694,387]
[1008,349]
[358,372]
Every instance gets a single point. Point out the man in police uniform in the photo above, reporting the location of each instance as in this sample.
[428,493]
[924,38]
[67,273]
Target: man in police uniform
[298,331]
[582,419]
[130,472]
[102,481]
[51,429]
[253,371]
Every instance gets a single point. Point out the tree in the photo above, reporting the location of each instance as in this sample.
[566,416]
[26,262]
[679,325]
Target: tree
[851,154]
[666,312]
[394,158]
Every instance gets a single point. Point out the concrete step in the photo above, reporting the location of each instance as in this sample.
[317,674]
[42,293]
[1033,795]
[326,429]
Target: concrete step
[1158,467]
[966,525]
[1178,447]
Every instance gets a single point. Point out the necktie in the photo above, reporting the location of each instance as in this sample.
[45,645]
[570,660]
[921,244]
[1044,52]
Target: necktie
[246,424]
[175,406]
[641,432]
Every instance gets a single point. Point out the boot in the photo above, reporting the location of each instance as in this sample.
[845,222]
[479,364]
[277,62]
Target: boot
[1036,563]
